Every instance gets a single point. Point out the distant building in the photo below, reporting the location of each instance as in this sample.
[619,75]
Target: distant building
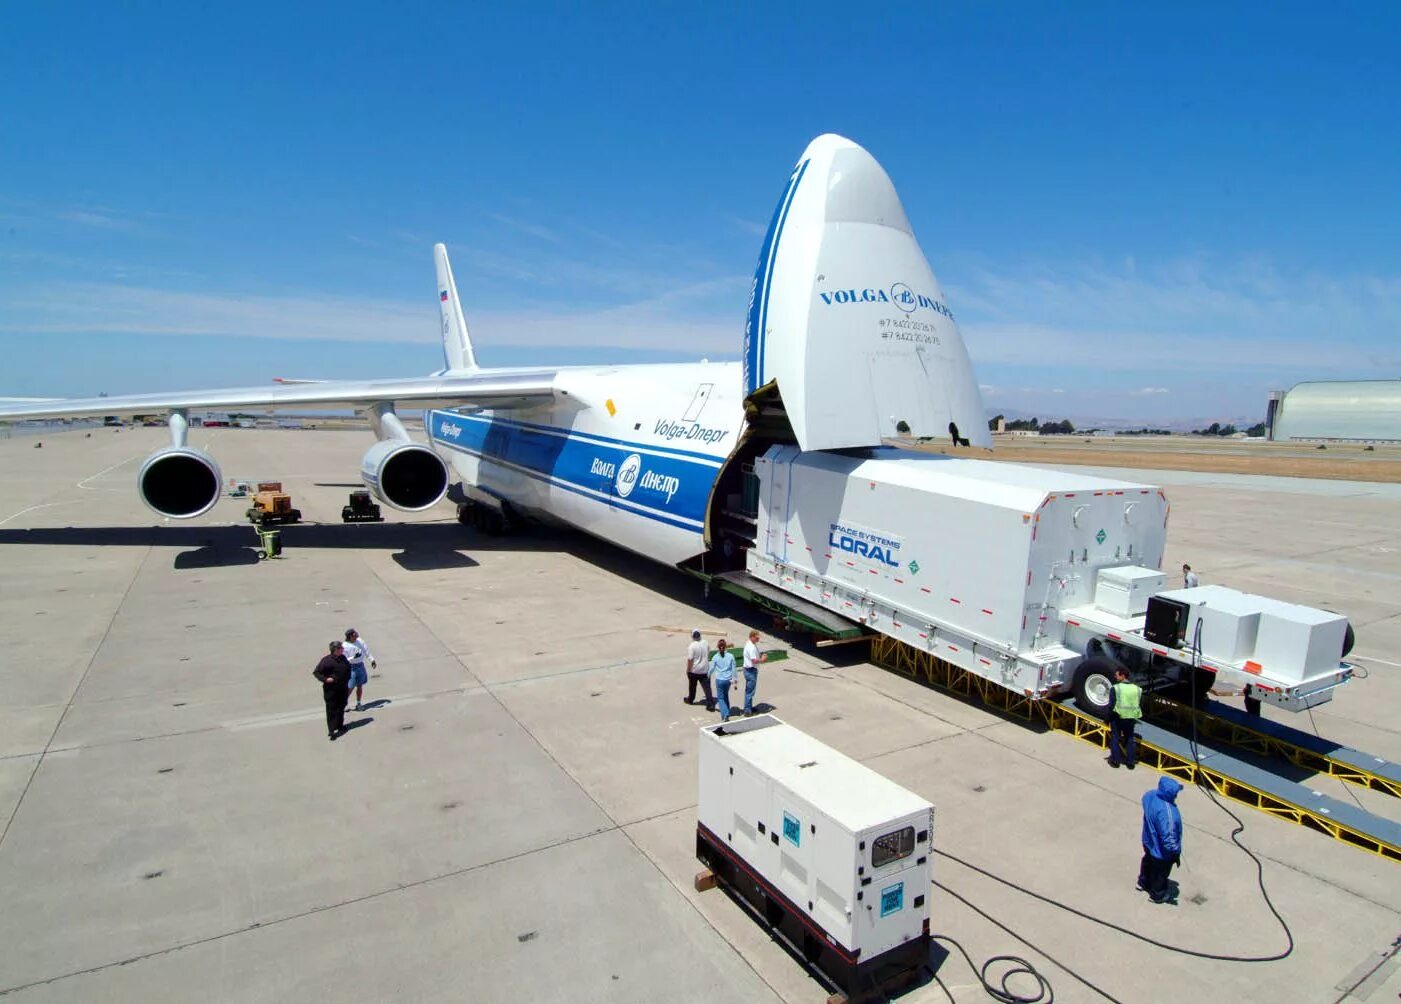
[1364,410]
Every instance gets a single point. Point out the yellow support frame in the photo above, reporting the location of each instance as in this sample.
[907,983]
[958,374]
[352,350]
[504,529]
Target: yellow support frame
[933,671]
[1246,738]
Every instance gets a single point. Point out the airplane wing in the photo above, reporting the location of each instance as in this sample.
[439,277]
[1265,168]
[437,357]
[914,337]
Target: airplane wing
[180,481]
[482,389]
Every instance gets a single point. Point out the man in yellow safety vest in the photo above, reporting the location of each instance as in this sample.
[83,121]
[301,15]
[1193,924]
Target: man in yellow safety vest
[1123,716]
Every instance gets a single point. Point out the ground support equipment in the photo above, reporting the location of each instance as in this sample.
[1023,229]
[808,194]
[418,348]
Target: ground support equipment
[1222,723]
[856,979]
[1164,751]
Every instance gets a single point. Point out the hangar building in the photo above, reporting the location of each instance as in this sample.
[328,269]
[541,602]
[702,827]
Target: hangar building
[1336,409]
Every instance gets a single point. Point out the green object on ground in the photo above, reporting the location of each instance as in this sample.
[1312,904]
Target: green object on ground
[772,654]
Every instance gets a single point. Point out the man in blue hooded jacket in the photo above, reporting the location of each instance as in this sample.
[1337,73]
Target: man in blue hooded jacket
[1162,838]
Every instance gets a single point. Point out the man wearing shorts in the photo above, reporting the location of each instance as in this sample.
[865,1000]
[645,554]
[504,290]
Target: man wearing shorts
[360,664]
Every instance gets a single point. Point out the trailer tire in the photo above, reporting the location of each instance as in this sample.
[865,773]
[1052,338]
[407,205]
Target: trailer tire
[1349,640]
[1093,686]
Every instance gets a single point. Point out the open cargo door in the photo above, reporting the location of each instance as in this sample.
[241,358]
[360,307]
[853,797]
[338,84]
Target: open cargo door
[846,316]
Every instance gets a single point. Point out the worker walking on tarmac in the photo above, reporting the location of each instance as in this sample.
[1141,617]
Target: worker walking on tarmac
[1162,838]
[361,661]
[1189,577]
[334,673]
[753,655]
[722,667]
[1123,717]
[698,671]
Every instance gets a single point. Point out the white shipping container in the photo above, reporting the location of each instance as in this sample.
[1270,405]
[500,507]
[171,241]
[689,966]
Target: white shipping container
[846,848]
[1124,591]
[992,550]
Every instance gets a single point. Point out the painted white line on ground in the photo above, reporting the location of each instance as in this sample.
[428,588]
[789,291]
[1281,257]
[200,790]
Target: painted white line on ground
[41,505]
[292,717]
[83,484]
[1375,658]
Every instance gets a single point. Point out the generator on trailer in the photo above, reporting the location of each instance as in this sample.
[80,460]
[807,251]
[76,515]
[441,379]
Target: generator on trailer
[832,856]
[272,505]
[1042,581]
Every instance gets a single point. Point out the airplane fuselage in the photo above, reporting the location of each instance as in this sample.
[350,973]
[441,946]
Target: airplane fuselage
[627,453]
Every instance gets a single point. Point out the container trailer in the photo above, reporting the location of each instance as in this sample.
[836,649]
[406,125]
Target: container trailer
[1042,581]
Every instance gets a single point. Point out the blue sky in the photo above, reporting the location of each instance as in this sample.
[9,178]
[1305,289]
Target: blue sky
[1137,213]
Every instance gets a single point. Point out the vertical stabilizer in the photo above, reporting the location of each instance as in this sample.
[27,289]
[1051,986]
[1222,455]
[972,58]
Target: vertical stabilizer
[457,341]
[847,318]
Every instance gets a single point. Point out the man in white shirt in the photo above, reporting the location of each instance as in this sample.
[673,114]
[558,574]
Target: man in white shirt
[1189,578]
[361,661]
[698,670]
[753,655]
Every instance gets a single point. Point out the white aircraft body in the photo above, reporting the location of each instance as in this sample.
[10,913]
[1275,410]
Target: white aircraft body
[848,340]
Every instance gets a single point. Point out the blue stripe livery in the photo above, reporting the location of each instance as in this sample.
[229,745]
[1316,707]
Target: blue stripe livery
[756,324]
[660,484]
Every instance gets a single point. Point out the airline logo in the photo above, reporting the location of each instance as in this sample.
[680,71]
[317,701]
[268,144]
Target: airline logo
[668,484]
[900,296]
[631,476]
[627,475]
[692,431]
[661,486]
[443,296]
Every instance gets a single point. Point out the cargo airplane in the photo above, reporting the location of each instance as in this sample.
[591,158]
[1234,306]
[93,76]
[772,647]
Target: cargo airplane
[848,340]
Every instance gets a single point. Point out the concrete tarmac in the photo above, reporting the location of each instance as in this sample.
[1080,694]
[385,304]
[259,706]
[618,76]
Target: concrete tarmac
[513,815]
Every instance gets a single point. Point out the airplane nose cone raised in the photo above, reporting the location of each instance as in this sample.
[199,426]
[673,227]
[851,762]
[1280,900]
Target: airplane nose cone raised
[858,189]
[847,317]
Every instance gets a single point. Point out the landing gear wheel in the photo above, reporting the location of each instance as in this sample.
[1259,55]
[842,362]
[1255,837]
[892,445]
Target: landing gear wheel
[1094,686]
[464,513]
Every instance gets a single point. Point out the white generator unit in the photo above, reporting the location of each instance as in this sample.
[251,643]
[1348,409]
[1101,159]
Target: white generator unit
[831,855]
[1016,574]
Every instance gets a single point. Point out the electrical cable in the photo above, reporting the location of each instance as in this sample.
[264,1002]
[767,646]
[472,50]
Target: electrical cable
[1019,966]
[1240,826]
[1346,787]
[1022,967]
[1116,927]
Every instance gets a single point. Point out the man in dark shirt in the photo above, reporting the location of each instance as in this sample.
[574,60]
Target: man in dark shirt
[334,673]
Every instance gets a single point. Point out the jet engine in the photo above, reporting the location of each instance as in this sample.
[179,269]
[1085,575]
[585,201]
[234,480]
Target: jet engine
[406,475]
[179,481]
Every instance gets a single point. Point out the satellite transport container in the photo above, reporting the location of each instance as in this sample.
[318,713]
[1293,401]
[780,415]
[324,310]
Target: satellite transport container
[831,854]
[1041,581]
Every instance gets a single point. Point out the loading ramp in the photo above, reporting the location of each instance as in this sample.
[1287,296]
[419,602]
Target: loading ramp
[1165,751]
[1222,723]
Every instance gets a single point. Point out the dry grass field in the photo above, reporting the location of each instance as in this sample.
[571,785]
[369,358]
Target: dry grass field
[1337,461]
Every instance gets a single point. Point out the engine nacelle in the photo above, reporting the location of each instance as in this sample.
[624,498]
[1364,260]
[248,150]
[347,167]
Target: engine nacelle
[408,476]
[179,481]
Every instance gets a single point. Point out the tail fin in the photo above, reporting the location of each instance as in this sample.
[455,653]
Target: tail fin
[457,341]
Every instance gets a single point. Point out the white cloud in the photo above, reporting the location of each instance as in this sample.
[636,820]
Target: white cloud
[529,229]
[668,322]
[1189,315]
[1149,390]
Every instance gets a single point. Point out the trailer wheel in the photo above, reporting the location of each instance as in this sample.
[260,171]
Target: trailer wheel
[1094,686]
[1349,639]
